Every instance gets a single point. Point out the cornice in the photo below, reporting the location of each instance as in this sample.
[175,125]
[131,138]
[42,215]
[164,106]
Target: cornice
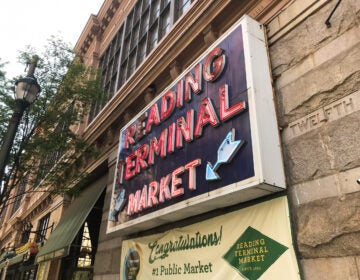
[96,25]
[40,204]
[42,201]
[90,31]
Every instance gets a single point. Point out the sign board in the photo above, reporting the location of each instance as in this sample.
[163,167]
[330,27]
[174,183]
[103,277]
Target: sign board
[209,140]
[245,244]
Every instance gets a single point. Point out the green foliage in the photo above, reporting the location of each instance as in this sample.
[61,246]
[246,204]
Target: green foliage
[6,100]
[47,149]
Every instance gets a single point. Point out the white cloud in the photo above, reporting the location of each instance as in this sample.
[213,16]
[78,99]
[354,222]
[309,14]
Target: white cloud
[33,22]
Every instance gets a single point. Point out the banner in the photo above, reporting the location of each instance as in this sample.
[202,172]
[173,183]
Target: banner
[251,243]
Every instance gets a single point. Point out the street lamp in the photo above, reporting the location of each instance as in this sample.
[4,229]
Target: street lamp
[26,91]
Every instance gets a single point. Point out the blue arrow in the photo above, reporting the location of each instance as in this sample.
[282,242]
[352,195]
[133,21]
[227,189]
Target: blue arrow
[119,204]
[227,150]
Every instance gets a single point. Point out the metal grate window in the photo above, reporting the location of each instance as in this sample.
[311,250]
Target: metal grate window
[147,23]
[42,227]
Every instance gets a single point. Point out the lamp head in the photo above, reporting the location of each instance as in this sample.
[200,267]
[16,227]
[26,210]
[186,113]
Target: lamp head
[27,89]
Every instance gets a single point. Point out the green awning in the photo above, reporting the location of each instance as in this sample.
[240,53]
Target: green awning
[14,260]
[58,244]
[18,258]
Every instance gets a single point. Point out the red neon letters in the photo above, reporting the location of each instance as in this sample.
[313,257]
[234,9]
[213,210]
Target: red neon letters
[170,186]
[185,128]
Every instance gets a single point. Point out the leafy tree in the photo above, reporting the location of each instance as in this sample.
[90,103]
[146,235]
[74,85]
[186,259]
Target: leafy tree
[47,145]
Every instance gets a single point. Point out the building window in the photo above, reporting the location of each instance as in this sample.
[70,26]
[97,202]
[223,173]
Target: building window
[153,36]
[28,273]
[26,232]
[3,209]
[19,195]
[80,261]
[85,256]
[42,228]
[146,24]
[181,7]
[52,157]
[165,21]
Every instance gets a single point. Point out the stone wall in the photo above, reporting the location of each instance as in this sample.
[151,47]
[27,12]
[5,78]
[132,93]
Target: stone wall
[317,86]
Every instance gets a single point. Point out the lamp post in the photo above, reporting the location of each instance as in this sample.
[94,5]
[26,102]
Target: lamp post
[26,91]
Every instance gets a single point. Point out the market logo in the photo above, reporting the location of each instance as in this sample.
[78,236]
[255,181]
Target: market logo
[131,264]
[253,253]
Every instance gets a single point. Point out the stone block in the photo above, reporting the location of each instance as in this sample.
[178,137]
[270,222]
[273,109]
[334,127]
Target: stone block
[344,137]
[358,263]
[315,189]
[322,116]
[339,45]
[328,150]
[103,262]
[325,67]
[306,158]
[330,269]
[107,277]
[313,35]
[290,17]
[110,244]
[320,85]
[336,185]
[341,246]
[348,181]
[324,221]
[115,261]
[107,262]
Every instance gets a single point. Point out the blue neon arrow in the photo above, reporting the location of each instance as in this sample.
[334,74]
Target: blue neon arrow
[227,150]
[119,204]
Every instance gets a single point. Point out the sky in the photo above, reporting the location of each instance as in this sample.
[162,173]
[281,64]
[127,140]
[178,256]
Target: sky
[31,23]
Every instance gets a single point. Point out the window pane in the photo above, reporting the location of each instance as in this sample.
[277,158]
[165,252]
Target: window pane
[105,58]
[146,3]
[137,11]
[182,6]
[141,51]
[116,61]
[119,38]
[19,195]
[42,228]
[155,10]
[165,22]
[126,48]
[129,23]
[132,64]
[135,36]
[164,3]
[122,74]
[112,48]
[112,87]
[108,73]
[153,37]
[144,23]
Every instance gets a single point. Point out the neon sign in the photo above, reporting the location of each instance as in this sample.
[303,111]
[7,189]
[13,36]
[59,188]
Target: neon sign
[193,141]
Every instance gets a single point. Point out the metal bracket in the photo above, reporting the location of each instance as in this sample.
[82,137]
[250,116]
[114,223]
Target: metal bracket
[327,22]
